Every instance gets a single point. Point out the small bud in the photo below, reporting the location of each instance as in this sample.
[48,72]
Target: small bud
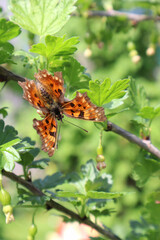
[133,53]
[136,59]
[5,197]
[88,53]
[150,51]
[32,230]
[100,158]
[8,211]
[130,46]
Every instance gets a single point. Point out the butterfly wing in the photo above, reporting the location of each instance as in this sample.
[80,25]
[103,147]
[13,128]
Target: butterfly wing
[30,93]
[47,129]
[82,108]
[53,84]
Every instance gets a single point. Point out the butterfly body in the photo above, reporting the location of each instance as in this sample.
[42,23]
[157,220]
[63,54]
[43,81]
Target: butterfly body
[47,96]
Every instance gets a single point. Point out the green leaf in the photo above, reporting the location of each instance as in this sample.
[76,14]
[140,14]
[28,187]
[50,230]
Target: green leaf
[55,46]
[149,112]
[102,93]
[42,17]
[6,50]
[50,181]
[7,133]
[8,157]
[138,95]
[56,50]
[9,144]
[143,230]
[74,75]
[27,58]
[105,212]
[8,30]
[103,195]
[41,164]
[3,112]
[115,103]
[145,168]
[90,179]
[152,211]
[25,146]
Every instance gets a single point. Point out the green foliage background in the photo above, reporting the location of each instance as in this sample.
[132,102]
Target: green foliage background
[108,39]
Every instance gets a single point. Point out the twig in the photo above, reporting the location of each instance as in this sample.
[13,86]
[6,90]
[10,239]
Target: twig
[5,74]
[131,16]
[54,205]
[145,144]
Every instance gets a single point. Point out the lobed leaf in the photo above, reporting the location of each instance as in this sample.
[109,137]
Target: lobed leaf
[7,133]
[144,169]
[8,30]
[8,157]
[138,95]
[149,112]
[103,93]
[74,75]
[50,181]
[6,50]
[42,17]
[3,111]
[55,46]
[41,164]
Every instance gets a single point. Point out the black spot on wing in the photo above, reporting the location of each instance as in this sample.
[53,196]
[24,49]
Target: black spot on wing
[59,90]
[72,104]
[81,115]
[52,133]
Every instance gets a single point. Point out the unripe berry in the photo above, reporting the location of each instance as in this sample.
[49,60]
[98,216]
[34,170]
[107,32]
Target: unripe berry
[5,197]
[33,230]
[100,158]
[130,46]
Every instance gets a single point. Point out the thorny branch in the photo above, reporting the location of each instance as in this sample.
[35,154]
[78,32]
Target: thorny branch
[6,75]
[51,204]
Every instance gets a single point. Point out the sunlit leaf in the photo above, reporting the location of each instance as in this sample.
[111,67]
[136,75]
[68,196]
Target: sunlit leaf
[8,157]
[6,50]
[8,30]
[102,93]
[42,17]
[149,112]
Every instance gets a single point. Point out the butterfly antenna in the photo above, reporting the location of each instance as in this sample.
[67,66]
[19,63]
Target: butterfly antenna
[76,125]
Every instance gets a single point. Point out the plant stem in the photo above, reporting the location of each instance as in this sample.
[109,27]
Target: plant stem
[51,204]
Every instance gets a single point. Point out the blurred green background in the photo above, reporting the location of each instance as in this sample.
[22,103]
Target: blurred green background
[103,50]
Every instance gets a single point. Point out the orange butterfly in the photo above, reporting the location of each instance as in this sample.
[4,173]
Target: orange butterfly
[47,95]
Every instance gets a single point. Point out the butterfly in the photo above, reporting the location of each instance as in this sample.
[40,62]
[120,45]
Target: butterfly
[46,94]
